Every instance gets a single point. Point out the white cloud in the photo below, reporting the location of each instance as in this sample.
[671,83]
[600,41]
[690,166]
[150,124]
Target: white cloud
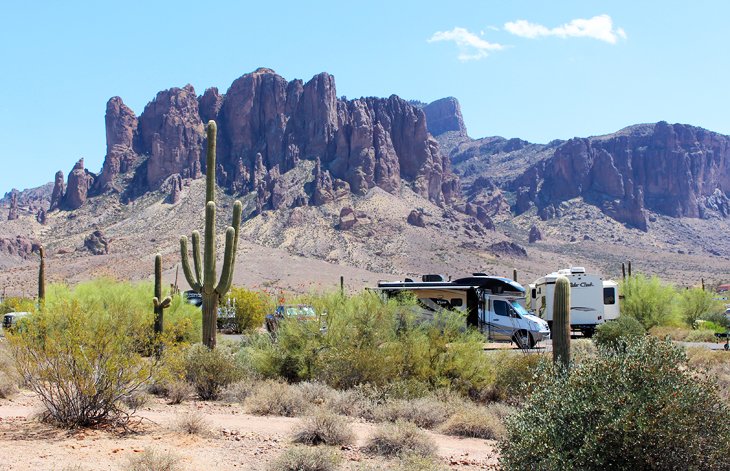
[471,46]
[599,27]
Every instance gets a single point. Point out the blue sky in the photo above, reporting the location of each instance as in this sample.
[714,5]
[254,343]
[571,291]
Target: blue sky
[532,69]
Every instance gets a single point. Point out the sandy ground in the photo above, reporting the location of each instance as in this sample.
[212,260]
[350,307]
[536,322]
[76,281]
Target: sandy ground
[236,441]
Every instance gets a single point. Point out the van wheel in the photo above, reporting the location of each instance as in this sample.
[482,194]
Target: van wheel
[523,339]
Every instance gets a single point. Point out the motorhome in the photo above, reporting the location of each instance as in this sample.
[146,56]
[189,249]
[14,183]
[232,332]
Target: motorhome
[491,304]
[593,300]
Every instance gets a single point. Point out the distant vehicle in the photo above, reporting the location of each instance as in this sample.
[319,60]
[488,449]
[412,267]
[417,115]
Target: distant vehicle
[194,298]
[11,319]
[593,300]
[300,312]
[492,304]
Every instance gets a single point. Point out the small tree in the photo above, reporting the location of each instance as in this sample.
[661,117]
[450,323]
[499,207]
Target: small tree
[251,308]
[696,304]
[648,300]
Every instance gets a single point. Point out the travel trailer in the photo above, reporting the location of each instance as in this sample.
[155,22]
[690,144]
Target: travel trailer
[593,300]
[491,304]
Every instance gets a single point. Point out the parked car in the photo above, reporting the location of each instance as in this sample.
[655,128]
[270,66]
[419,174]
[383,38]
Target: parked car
[300,312]
[194,298]
[11,319]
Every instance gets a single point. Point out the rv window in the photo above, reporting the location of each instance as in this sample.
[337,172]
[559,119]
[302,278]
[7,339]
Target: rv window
[500,308]
[534,293]
[609,295]
[457,302]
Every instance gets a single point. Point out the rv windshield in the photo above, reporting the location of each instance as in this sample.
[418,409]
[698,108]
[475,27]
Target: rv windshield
[518,308]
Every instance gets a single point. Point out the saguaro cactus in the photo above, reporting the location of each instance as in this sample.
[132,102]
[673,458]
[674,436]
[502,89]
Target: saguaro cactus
[561,322]
[203,278]
[42,275]
[159,303]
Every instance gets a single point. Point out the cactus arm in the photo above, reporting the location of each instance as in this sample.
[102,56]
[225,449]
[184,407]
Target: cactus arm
[237,210]
[158,276]
[194,283]
[229,259]
[165,302]
[209,274]
[155,302]
[210,162]
[197,264]
[42,275]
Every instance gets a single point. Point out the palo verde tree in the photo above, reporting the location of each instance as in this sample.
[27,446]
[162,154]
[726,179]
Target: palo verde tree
[202,276]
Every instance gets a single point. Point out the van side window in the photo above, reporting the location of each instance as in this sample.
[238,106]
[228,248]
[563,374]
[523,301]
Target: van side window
[500,308]
[457,302]
[609,296]
[534,293]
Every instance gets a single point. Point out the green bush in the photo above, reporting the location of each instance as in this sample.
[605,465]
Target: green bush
[15,304]
[641,408]
[81,363]
[701,335]
[251,308]
[374,342]
[649,301]
[696,304]
[210,371]
[616,333]
[515,372]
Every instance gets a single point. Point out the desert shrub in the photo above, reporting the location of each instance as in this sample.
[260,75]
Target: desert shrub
[153,460]
[641,408]
[81,363]
[719,321]
[616,333]
[476,422]
[368,341]
[425,412]
[178,392]
[8,374]
[316,393]
[324,429]
[209,371]
[649,301]
[238,391]
[400,439]
[135,401]
[251,308]
[669,333]
[701,335]
[275,398]
[193,423]
[514,374]
[695,304]
[582,350]
[305,458]
[17,304]
[417,463]
[353,403]
[716,364]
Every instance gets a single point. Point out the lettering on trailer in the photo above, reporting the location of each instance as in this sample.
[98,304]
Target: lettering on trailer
[582,284]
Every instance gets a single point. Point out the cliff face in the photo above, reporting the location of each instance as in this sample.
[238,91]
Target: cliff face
[675,170]
[359,143]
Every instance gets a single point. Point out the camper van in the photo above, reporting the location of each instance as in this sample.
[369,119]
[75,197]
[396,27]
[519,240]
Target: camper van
[593,300]
[491,304]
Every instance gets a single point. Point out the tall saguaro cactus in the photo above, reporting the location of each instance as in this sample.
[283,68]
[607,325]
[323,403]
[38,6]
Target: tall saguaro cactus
[159,303]
[42,275]
[561,322]
[202,276]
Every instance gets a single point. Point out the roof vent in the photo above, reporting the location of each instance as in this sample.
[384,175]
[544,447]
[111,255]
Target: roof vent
[577,270]
[431,278]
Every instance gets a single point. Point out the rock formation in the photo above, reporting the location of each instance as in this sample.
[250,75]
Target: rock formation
[121,127]
[41,216]
[675,170]
[416,218]
[97,243]
[77,189]
[20,246]
[535,234]
[59,189]
[509,249]
[13,211]
[444,115]
[176,185]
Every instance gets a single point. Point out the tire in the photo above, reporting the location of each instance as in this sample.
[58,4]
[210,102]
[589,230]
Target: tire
[523,339]
[588,333]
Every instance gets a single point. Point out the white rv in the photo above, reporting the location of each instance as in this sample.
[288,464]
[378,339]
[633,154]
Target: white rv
[593,300]
[491,304]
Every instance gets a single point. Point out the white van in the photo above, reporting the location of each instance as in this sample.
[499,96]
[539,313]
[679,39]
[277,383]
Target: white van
[491,304]
[593,300]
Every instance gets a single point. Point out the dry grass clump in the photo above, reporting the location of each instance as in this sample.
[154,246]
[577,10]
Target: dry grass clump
[582,350]
[193,423]
[7,386]
[716,364]
[476,422]
[179,391]
[275,398]
[400,439]
[418,463]
[426,412]
[700,335]
[673,333]
[304,458]
[8,376]
[238,392]
[317,393]
[353,403]
[324,429]
[153,460]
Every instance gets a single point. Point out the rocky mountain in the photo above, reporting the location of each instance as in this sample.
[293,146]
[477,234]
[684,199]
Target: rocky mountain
[266,127]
